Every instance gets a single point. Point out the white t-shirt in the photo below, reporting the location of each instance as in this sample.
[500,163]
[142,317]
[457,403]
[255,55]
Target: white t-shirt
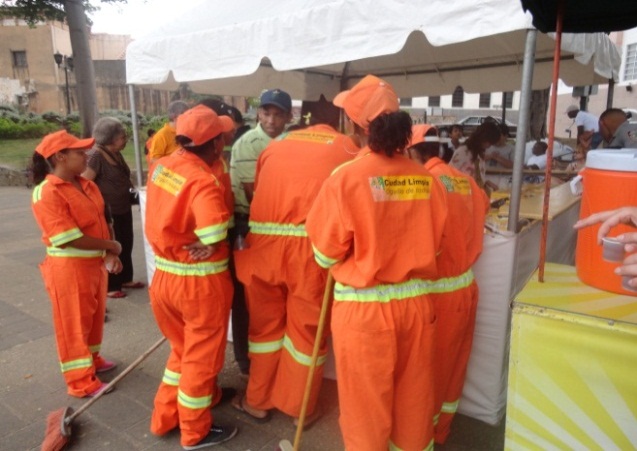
[538,160]
[589,121]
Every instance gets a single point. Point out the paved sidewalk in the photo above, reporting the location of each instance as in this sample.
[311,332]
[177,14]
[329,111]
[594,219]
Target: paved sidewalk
[31,385]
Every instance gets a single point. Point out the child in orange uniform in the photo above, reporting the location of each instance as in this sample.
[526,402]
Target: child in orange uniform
[70,212]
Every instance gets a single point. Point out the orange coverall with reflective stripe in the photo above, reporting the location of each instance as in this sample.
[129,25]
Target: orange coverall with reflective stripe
[74,279]
[190,299]
[222,173]
[284,285]
[455,310]
[378,223]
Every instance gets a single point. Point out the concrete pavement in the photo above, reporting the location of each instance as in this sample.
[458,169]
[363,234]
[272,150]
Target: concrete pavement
[31,385]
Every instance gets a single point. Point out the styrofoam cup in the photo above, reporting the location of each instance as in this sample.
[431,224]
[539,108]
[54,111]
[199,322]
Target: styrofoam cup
[613,250]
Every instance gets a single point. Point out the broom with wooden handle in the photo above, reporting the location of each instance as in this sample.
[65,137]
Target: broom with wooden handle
[285,445]
[58,423]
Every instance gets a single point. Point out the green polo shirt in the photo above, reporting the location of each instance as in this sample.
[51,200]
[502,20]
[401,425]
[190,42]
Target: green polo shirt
[243,164]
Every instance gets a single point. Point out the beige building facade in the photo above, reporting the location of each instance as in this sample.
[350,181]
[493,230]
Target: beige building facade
[31,79]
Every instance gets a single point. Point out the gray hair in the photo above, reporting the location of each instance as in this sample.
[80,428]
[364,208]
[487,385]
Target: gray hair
[106,129]
[176,108]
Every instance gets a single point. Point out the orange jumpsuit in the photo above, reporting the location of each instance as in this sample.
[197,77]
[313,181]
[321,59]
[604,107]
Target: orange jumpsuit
[378,222]
[456,304]
[190,299]
[283,283]
[75,279]
[221,172]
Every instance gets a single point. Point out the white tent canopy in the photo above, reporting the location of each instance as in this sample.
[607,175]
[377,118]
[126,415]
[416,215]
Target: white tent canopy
[310,48]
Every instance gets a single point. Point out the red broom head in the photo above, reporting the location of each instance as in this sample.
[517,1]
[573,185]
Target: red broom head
[54,440]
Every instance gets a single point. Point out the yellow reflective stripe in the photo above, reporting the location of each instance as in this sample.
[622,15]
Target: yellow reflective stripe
[65,237]
[392,446]
[192,402]
[451,284]
[191,269]
[323,260]
[404,290]
[436,418]
[95,348]
[450,407]
[37,192]
[381,293]
[213,234]
[73,252]
[265,347]
[273,228]
[171,378]
[77,364]
[298,356]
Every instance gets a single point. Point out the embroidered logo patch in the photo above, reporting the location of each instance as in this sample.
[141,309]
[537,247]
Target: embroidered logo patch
[168,180]
[403,187]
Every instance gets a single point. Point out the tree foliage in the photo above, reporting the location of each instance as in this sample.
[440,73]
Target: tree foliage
[34,11]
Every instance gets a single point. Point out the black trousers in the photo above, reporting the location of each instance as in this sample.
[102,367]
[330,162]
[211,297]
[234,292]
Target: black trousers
[123,227]
[240,316]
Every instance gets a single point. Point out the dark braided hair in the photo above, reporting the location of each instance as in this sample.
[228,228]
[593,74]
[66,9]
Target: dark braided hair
[390,133]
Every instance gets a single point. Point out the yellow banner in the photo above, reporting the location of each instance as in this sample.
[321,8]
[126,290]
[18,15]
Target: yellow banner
[571,369]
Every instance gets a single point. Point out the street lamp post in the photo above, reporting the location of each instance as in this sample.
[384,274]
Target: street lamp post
[66,63]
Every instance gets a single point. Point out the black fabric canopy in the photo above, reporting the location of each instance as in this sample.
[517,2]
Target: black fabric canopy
[584,16]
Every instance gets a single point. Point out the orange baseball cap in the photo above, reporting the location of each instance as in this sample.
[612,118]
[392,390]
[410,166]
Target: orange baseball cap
[418,134]
[200,124]
[55,142]
[368,99]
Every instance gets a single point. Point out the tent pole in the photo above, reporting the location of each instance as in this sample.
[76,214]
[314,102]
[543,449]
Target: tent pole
[549,151]
[611,93]
[523,126]
[138,157]
[504,107]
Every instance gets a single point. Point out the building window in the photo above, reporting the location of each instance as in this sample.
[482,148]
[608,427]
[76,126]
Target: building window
[457,99]
[508,102]
[19,58]
[485,100]
[630,68]
[434,101]
[405,101]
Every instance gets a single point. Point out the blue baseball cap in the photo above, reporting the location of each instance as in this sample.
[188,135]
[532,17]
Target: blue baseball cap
[278,98]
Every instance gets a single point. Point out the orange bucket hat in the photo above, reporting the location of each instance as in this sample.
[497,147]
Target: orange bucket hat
[418,134]
[200,124]
[55,142]
[368,99]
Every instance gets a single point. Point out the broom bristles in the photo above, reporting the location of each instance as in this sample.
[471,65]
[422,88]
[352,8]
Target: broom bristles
[53,438]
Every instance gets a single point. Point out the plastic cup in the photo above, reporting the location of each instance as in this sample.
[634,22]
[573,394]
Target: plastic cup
[612,250]
[625,285]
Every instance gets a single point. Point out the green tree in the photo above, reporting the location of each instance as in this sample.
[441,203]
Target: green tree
[74,13]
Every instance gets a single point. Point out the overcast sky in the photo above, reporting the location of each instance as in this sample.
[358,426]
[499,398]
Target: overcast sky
[135,17]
